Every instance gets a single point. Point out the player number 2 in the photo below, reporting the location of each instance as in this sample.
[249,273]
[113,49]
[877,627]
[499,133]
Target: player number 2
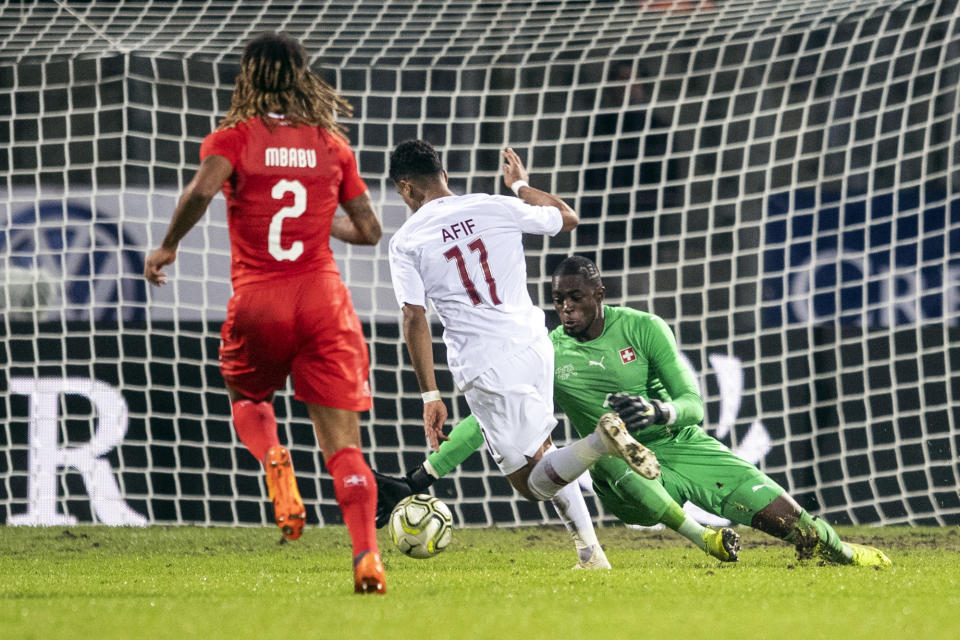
[476,246]
[279,192]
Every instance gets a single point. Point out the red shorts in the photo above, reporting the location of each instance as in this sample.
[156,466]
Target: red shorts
[304,325]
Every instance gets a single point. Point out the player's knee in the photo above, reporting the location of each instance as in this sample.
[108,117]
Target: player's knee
[531,492]
[531,483]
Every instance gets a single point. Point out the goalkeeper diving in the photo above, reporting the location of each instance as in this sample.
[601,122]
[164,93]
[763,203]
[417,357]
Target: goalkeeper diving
[620,359]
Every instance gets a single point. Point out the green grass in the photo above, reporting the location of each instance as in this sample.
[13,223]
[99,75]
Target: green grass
[186,582]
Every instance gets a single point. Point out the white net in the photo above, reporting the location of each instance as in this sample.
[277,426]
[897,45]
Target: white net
[778,180]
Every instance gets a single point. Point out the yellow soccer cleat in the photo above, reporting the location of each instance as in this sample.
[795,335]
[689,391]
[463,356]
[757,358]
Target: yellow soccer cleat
[723,544]
[864,556]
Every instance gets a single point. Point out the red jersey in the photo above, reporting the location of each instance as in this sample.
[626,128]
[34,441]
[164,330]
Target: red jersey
[286,185]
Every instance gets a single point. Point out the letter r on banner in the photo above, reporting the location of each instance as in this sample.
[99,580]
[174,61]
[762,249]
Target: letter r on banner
[46,457]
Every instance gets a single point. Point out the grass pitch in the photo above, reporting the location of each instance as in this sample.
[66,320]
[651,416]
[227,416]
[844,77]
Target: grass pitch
[187,582]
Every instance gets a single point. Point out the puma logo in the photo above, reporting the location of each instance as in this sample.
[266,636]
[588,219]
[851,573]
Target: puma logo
[594,363]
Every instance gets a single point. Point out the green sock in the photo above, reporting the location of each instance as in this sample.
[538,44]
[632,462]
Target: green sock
[654,497]
[465,438]
[814,535]
[678,520]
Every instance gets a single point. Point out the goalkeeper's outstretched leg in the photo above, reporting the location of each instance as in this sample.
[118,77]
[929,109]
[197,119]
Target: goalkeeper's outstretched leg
[813,537]
[391,490]
[465,438]
[640,501]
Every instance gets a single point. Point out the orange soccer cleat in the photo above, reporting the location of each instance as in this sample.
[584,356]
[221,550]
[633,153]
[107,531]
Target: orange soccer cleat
[288,508]
[368,576]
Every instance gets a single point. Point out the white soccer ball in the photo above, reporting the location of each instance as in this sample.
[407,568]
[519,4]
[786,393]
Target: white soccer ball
[421,526]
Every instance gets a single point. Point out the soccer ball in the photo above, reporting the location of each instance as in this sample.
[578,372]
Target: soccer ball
[421,526]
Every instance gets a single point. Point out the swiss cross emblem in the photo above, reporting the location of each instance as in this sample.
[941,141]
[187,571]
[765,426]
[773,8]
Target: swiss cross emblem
[354,481]
[627,355]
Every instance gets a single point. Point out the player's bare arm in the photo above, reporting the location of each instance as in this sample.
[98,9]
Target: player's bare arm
[192,205]
[514,171]
[416,333]
[360,225]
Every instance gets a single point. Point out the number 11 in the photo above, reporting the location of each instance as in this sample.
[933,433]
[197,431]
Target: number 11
[477,246]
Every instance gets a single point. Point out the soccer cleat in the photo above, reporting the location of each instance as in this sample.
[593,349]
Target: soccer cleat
[864,556]
[592,558]
[723,544]
[288,508]
[390,491]
[368,575]
[621,444]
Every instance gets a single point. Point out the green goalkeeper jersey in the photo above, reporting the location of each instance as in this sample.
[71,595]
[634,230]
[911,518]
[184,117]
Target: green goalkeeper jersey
[635,354]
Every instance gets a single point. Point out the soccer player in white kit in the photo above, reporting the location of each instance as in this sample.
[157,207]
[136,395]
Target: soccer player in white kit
[465,255]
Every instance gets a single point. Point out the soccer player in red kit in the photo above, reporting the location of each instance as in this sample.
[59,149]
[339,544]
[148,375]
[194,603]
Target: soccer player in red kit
[285,166]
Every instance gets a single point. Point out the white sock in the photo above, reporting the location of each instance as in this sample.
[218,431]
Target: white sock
[693,531]
[572,509]
[558,467]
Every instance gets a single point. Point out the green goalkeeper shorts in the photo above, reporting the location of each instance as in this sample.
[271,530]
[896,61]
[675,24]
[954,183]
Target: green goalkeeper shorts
[696,467]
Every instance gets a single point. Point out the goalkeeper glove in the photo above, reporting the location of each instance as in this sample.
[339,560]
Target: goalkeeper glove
[637,412]
[391,490]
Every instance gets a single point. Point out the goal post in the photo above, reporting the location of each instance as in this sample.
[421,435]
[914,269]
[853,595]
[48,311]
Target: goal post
[778,180]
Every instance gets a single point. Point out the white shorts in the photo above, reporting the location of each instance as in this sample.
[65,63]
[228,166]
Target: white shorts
[513,402]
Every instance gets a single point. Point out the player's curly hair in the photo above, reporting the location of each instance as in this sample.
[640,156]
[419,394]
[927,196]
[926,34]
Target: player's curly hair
[412,159]
[579,266]
[275,77]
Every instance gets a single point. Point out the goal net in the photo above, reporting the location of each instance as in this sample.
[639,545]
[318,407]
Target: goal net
[779,180]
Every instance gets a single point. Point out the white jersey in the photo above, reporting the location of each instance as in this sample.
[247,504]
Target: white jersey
[465,254]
